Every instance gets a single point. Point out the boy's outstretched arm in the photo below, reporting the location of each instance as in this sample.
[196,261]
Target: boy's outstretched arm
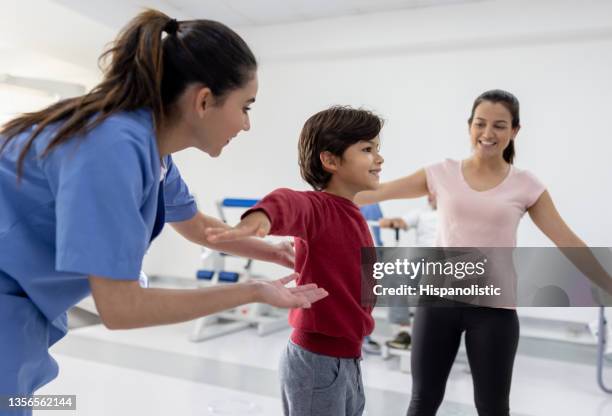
[255,224]
[282,212]
[195,228]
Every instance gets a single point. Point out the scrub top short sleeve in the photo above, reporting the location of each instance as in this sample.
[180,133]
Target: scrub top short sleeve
[180,204]
[100,228]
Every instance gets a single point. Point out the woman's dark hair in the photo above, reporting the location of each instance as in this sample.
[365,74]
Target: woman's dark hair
[511,103]
[147,70]
[332,130]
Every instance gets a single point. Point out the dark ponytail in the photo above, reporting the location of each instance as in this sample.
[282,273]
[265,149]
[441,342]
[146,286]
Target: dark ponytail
[511,103]
[147,70]
[509,152]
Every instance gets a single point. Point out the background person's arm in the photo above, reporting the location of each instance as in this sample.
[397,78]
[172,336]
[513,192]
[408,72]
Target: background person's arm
[412,186]
[123,304]
[395,222]
[549,221]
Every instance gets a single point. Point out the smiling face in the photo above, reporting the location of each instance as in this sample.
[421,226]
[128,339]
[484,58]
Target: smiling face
[359,167]
[220,121]
[491,130]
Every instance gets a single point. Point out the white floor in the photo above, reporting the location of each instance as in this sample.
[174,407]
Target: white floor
[103,389]
[157,371]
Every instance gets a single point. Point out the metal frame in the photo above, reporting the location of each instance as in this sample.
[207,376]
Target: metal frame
[601,350]
[264,318]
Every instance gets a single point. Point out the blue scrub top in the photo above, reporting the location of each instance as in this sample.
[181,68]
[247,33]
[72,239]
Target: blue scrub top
[91,207]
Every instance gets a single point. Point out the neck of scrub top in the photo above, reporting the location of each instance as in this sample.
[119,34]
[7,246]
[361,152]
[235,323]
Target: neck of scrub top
[163,169]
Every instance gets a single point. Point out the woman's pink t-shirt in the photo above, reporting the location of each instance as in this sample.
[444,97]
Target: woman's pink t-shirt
[470,218]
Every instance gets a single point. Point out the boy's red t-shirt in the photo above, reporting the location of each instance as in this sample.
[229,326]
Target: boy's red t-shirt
[329,233]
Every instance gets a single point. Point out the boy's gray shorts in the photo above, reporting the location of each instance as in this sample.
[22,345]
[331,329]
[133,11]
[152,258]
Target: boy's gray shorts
[320,385]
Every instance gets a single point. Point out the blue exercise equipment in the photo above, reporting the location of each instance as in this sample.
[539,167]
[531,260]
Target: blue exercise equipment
[263,317]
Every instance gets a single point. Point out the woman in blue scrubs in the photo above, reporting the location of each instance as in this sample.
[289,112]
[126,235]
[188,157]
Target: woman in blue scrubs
[87,183]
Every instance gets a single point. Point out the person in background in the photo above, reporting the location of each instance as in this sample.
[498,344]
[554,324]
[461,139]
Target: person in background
[424,222]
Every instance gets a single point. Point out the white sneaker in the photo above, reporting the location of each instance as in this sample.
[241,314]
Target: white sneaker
[369,346]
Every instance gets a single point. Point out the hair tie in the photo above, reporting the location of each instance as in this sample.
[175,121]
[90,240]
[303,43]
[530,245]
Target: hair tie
[171,27]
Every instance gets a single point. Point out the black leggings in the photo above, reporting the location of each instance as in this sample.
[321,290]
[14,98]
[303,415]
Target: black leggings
[491,339]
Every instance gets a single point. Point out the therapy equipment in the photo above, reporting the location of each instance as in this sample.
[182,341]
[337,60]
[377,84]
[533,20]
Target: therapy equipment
[602,340]
[264,318]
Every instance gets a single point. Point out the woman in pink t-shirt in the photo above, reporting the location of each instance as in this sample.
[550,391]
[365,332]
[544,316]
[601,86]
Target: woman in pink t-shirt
[480,201]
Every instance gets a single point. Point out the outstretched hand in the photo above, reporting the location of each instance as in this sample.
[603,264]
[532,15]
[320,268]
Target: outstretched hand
[285,254]
[256,224]
[275,293]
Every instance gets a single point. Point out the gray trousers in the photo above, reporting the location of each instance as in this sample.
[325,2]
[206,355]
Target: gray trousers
[320,385]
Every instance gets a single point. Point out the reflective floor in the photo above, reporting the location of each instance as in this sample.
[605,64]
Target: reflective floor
[158,371]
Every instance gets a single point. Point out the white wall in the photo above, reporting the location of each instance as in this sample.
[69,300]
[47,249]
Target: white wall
[38,39]
[52,29]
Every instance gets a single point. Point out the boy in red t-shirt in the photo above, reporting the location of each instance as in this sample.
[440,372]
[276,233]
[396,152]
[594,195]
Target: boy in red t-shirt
[339,157]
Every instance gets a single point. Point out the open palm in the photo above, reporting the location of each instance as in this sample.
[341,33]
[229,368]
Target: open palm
[276,293]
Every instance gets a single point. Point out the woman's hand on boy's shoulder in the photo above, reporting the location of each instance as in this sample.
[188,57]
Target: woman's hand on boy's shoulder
[256,224]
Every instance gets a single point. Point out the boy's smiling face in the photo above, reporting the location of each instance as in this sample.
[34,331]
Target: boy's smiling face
[359,167]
